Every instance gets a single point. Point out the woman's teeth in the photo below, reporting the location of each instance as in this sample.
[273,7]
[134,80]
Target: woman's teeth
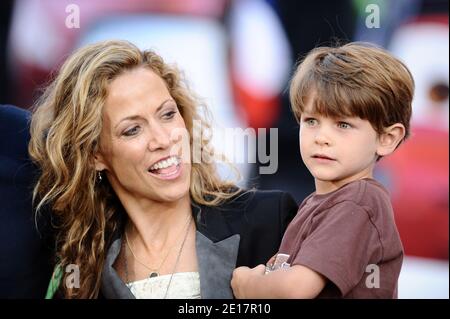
[165,163]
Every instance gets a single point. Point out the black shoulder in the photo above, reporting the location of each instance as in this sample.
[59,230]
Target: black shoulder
[13,116]
[14,132]
[247,198]
[262,205]
[260,218]
[273,201]
[28,268]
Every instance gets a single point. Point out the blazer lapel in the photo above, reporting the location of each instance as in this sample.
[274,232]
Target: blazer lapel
[216,264]
[112,286]
[217,250]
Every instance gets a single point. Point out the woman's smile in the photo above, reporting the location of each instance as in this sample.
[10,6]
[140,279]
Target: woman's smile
[168,168]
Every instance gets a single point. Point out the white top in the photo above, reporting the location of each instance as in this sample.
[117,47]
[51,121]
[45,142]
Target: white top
[184,285]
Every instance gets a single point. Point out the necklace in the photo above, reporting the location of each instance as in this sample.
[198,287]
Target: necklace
[154,272]
[176,262]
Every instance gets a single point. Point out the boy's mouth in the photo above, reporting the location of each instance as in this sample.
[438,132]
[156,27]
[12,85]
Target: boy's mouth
[322,156]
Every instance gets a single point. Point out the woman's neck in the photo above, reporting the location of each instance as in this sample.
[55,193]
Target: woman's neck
[155,225]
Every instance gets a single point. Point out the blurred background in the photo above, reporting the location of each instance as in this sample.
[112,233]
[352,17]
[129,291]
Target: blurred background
[238,56]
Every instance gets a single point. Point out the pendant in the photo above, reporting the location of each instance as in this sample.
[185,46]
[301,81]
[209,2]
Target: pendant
[153,274]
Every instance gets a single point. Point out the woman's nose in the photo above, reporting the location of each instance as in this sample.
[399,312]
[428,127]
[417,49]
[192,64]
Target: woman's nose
[159,138]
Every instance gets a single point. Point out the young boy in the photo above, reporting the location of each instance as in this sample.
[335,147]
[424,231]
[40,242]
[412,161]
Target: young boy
[353,104]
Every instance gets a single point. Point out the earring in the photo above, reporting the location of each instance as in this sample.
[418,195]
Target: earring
[99,176]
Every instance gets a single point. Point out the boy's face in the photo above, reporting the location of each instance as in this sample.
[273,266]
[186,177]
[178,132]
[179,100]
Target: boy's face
[337,150]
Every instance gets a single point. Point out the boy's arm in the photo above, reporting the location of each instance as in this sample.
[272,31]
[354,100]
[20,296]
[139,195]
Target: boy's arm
[295,282]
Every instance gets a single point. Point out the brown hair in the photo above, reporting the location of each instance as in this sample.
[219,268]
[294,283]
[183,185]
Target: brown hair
[356,79]
[65,131]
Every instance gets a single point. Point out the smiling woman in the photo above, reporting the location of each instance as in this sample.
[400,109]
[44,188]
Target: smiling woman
[109,136]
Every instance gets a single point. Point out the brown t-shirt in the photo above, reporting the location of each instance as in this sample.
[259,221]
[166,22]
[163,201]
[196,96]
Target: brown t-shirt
[349,236]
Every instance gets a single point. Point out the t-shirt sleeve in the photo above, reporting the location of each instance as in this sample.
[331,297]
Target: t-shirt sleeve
[341,243]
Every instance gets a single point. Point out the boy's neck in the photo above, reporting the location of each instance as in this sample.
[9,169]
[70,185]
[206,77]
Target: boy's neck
[325,187]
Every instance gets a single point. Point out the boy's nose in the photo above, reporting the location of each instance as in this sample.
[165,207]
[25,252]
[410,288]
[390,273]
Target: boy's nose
[321,138]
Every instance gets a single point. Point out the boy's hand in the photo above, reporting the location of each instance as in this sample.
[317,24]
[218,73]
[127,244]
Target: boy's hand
[242,279]
[271,261]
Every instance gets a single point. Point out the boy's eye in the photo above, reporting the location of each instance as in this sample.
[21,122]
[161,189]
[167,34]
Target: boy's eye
[344,125]
[132,131]
[310,121]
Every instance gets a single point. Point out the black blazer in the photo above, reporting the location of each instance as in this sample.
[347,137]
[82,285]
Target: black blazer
[25,266]
[259,217]
[245,231]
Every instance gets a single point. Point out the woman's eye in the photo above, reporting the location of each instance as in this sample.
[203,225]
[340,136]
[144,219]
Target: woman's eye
[344,125]
[132,131]
[169,115]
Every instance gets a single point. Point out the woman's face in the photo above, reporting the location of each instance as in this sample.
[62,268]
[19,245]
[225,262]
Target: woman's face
[139,144]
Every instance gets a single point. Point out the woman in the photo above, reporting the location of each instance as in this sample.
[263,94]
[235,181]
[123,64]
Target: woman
[132,211]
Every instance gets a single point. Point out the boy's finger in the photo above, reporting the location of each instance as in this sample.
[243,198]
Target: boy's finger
[260,269]
[271,260]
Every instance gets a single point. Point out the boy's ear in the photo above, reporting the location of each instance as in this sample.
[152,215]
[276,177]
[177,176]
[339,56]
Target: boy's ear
[389,140]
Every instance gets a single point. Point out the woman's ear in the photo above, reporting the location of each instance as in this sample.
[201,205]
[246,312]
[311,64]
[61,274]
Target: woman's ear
[389,140]
[99,161]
